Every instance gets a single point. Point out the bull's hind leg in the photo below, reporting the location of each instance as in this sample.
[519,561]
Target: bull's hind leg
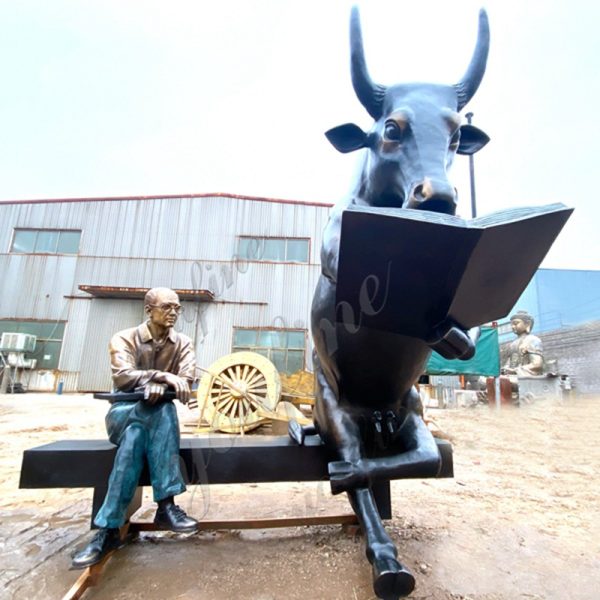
[420,459]
[391,579]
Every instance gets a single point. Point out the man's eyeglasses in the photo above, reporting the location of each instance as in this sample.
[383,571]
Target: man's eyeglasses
[167,308]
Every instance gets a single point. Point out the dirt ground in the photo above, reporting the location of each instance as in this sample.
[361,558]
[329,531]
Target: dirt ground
[520,520]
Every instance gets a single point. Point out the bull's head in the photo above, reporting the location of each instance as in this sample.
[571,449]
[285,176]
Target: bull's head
[417,131]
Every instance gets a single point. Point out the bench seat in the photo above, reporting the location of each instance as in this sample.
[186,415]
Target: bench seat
[205,460]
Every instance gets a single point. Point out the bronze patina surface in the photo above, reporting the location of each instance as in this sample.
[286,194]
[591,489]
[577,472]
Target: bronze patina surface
[367,409]
[525,354]
[153,358]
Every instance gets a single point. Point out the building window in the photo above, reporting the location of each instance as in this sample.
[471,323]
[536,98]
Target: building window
[49,336]
[46,241]
[283,347]
[274,249]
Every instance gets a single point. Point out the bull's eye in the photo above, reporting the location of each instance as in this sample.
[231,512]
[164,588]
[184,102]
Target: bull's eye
[392,131]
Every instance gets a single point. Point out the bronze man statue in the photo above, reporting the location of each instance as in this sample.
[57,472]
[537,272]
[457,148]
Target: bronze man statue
[524,357]
[154,357]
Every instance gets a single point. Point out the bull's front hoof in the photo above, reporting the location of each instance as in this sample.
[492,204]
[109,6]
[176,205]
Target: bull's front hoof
[391,580]
[344,476]
[454,344]
[340,476]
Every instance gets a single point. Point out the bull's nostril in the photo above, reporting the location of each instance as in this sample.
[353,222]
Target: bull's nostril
[434,189]
[434,196]
[418,193]
[440,205]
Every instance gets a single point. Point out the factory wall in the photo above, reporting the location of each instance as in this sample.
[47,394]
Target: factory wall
[191,242]
[187,242]
[577,352]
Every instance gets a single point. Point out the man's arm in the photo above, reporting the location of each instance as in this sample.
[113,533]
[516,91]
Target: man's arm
[182,381]
[187,361]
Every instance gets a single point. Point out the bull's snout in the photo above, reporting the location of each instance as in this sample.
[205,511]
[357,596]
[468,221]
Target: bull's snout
[433,195]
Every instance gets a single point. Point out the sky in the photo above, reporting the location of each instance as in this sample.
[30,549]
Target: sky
[118,98]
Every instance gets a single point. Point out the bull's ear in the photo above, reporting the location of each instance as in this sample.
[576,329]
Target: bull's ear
[472,139]
[347,137]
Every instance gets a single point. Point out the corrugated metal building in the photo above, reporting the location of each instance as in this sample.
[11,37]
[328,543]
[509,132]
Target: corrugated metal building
[73,272]
[565,304]
[559,298]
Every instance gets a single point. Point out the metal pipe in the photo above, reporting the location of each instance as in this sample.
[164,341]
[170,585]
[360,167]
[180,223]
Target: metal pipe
[498,390]
[469,117]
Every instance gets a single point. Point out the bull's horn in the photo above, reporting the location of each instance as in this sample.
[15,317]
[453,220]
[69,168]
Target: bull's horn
[468,85]
[370,94]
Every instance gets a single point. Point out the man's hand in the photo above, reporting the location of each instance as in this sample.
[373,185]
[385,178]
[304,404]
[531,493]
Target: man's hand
[153,392]
[180,385]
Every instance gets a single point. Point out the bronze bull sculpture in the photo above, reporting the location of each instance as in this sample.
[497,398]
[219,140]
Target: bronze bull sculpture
[367,408]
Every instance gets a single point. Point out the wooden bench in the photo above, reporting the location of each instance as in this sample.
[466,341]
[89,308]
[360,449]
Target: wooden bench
[204,460]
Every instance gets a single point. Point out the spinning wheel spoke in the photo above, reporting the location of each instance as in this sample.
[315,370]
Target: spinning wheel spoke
[257,382]
[254,376]
[231,375]
[256,400]
[259,391]
[217,393]
[238,390]
[227,382]
[225,409]
[223,400]
[248,406]
[245,372]
[262,391]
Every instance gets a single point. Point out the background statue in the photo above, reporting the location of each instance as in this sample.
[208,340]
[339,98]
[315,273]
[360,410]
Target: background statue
[153,357]
[524,355]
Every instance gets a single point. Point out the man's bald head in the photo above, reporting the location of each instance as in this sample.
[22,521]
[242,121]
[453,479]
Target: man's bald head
[159,295]
[162,306]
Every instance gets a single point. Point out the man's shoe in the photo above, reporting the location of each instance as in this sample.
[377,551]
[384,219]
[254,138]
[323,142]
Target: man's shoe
[101,544]
[173,518]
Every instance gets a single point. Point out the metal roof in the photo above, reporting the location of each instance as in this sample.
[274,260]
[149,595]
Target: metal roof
[170,196]
[109,291]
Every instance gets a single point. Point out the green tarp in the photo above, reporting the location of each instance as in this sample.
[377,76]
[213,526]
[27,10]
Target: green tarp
[485,362]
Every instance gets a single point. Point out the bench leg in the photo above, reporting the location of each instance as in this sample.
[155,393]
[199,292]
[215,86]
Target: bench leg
[136,502]
[100,494]
[383,498]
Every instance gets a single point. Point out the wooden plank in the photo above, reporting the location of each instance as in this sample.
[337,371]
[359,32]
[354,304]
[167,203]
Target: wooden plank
[211,525]
[91,576]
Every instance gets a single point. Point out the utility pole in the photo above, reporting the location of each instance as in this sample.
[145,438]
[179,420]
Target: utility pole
[469,117]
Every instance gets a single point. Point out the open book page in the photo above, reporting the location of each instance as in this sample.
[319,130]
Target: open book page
[399,275]
[408,271]
[512,215]
[509,215]
[504,261]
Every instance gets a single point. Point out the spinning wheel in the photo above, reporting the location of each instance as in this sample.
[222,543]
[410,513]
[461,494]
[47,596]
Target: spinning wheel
[238,392]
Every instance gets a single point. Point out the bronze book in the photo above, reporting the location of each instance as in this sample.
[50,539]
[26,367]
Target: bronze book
[411,272]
